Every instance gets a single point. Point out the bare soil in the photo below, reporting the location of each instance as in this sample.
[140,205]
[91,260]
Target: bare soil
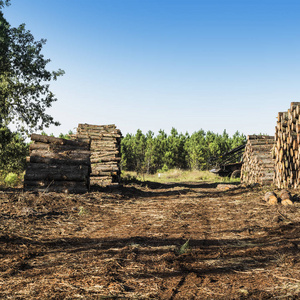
[126,243]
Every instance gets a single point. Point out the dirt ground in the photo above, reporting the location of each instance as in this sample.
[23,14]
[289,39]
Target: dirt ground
[149,241]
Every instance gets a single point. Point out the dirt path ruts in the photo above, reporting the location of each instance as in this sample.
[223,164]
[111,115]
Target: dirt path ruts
[125,244]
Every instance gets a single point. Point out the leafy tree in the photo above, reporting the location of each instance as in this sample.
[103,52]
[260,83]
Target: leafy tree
[13,151]
[24,88]
[24,91]
[4,3]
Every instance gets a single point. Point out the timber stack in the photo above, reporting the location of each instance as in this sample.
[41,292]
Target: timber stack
[287,139]
[258,162]
[105,146]
[57,165]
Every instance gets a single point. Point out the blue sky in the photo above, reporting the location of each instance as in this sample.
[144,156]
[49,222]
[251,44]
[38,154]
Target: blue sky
[158,64]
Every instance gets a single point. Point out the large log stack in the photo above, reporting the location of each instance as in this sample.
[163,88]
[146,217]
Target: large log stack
[287,138]
[57,165]
[258,162]
[105,143]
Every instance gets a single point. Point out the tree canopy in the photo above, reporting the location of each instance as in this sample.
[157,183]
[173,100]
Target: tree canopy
[147,153]
[4,3]
[24,91]
[24,79]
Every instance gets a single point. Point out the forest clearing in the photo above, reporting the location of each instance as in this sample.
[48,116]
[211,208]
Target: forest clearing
[149,240]
[74,225]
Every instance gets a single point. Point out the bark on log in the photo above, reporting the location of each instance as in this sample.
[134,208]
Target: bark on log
[55,141]
[71,155]
[59,187]
[105,151]
[56,148]
[56,176]
[57,161]
[271,198]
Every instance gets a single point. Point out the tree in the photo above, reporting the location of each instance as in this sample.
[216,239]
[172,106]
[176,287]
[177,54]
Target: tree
[128,156]
[24,88]
[149,153]
[175,155]
[238,139]
[197,151]
[150,163]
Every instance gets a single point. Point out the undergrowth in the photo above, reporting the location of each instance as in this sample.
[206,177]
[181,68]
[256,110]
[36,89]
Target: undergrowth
[11,179]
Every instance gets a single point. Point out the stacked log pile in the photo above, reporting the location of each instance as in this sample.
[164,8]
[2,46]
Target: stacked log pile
[57,165]
[258,162]
[105,143]
[287,138]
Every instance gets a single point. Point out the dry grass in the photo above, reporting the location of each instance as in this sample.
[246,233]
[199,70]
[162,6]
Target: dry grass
[177,175]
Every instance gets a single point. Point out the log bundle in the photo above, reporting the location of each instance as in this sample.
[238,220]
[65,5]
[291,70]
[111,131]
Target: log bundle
[57,165]
[287,156]
[258,162]
[105,141]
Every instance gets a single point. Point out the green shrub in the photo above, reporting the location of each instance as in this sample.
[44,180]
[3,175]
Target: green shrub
[163,169]
[13,151]
[11,179]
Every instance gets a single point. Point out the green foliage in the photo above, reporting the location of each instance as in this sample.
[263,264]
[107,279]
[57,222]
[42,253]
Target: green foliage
[13,151]
[66,136]
[184,248]
[4,3]
[11,179]
[24,91]
[149,153]
[82,211]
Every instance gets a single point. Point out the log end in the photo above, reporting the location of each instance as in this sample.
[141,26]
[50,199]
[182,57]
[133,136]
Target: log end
[268,195]
[273,200]
[287,202]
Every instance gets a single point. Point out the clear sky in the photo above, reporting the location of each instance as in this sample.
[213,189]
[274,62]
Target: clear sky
[158,64]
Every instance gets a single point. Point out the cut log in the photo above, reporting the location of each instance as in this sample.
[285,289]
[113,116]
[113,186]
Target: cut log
[55,141]
[54,161]
[56,148]
[71,155]
[59,187]
[271,198]
[105,152]
[56,176]
[258,162]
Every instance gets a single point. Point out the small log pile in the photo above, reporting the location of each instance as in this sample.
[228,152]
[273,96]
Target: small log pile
[258,162]
[284,197]
[287,139]
[105,149]
[57,165]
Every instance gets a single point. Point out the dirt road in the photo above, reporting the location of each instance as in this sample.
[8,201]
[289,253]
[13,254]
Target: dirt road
[149,241]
